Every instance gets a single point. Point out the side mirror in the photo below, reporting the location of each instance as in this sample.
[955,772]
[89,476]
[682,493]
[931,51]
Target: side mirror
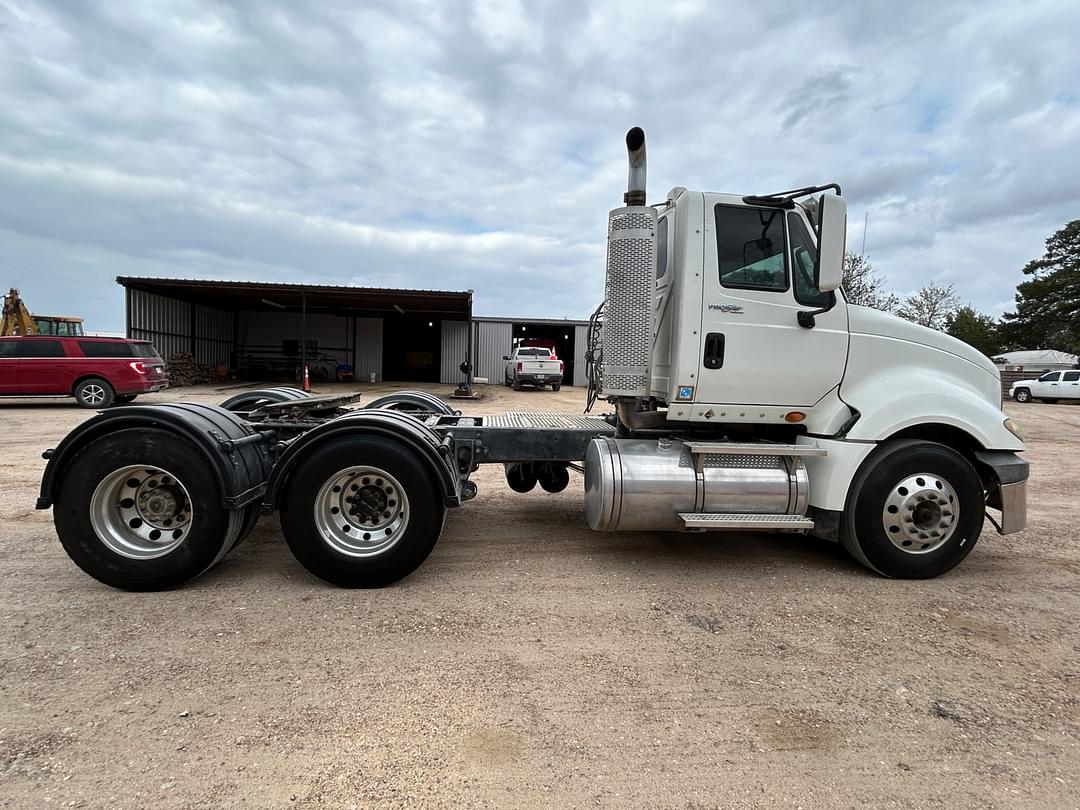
[832,241]
[506,357]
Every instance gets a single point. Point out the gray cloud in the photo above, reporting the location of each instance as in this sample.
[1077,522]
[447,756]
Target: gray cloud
[478,145]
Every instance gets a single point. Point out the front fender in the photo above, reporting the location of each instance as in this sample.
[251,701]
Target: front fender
[897,384]
[884,414]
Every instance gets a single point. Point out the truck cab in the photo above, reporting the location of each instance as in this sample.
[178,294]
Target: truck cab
[752,360]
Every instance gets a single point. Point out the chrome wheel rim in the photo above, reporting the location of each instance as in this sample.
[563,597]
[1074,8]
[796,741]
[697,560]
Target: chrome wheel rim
[141,512]
[921,513]
[93,394]
[361,511]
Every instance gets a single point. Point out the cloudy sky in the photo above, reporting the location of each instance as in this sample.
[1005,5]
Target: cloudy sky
[479,145]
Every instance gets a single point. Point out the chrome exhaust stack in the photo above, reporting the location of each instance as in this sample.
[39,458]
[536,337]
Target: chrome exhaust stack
[628,287]
[635,184]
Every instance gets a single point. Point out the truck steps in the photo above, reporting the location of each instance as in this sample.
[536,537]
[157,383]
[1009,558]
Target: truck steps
[732,521]
[754,449]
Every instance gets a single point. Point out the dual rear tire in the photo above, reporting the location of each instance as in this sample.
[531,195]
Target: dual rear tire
[362,512]
[136,510]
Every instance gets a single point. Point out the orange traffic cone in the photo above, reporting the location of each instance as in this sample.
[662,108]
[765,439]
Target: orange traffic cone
[307,382]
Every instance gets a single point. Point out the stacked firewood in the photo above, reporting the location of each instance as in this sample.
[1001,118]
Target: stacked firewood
[183,370]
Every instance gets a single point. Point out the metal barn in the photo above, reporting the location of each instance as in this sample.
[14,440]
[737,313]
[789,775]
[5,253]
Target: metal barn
[263,330]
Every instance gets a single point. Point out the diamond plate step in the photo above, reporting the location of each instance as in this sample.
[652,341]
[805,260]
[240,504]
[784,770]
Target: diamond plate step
[755,449]
[718,522]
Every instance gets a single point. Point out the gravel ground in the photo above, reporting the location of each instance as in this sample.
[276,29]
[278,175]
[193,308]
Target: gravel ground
[531,662]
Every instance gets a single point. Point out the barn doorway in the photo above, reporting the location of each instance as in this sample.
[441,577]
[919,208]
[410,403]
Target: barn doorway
[559,337]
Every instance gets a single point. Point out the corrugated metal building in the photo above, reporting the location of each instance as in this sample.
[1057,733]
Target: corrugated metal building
[256,330]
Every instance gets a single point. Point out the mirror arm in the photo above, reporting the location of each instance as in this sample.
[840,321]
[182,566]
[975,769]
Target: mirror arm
[806,317]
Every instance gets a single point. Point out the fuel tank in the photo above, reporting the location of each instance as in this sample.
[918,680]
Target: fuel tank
[644,484]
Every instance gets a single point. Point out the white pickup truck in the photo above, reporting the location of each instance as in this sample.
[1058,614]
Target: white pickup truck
[1050,387]
[533,365]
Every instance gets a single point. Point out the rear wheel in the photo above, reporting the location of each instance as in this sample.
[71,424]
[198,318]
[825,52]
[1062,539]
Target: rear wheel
[138,511]
[915,510]
[517,384]
[1022,395]
[94,393]
[556,386]
[362,512]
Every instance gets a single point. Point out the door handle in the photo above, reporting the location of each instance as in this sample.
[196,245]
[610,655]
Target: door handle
[714,350]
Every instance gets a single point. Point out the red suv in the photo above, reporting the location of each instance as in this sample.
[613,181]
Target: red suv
[96,371]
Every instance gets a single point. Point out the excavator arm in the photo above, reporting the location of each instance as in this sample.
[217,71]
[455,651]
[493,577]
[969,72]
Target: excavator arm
[17,319]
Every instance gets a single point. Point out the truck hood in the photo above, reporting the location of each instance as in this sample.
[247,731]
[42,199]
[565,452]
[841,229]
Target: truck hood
[867,321]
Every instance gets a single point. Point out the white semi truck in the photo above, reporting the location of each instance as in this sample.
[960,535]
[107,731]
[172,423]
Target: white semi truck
[746,395]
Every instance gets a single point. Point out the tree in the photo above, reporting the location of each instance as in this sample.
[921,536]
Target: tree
[865,287]
[1048,305]
[975,329]
[931,306]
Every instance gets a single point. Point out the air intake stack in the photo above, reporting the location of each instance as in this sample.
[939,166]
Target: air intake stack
[628,290]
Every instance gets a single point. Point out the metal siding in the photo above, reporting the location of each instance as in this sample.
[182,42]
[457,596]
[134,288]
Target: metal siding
[166,322]
[369,353]
[492,341]
[213,336]
[581,338]
[455,339]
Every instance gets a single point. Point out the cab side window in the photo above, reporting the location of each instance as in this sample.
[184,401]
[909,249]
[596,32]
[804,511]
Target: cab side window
[1070,376]
[804,265]
[750,248]
[1050,376]
[7,348]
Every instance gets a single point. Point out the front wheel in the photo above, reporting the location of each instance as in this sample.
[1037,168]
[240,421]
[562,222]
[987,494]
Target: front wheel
[94,393]
[915,510]
[1022,395]
[137,510]
[362,512]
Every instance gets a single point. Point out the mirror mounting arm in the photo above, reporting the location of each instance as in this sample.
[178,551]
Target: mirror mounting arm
[806,317]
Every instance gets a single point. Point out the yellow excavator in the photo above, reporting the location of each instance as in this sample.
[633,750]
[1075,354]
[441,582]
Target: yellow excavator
[17,320]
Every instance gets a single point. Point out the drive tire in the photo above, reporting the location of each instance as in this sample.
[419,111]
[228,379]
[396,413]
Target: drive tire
[94,393]
[1022,395]
[426,512]
[209,536]
[556,386]
[863,531]
[517,384]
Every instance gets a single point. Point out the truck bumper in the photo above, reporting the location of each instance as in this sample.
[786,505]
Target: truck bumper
[1010,474]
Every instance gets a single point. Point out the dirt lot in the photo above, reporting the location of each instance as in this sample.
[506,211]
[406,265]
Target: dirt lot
[531,662]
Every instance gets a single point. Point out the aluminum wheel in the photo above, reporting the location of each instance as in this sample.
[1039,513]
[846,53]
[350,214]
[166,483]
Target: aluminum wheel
[361,511]
[141,512]
[93,394]
[921,513]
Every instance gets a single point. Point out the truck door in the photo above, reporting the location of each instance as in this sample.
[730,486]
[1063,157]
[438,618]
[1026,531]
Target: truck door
[1070,384]
[1047,385]
[758,275]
